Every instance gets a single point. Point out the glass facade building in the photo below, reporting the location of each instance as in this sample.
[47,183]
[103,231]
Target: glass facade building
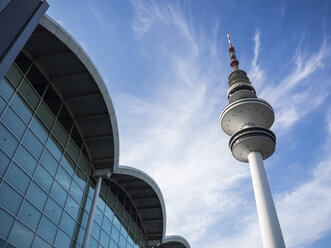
[46,190]
[60,182]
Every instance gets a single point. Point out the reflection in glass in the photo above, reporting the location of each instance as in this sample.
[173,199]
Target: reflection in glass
[7,141]
[29,215]
[9,198]
[17,178]
[25,160]
[6,223]
[47,229]
[13,122]
[20,235]
[37,196]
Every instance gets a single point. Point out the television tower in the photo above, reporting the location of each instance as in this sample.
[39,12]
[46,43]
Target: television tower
[247,120]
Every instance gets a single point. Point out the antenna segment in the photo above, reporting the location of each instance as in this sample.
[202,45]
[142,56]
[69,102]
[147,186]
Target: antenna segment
[234,62]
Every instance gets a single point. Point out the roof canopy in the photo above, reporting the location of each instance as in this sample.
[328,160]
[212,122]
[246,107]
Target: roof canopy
[81,88]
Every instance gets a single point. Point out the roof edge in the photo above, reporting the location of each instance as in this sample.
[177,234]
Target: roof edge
[131,171]
[176,238]
[56,29]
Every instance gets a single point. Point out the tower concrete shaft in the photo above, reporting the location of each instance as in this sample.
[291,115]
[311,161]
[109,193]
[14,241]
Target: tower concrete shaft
[247,120]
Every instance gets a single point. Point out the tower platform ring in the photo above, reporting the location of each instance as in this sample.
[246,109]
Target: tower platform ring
[245,113]
[253,139]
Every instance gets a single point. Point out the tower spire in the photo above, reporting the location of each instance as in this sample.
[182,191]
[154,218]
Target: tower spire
[234,62]
[247,119]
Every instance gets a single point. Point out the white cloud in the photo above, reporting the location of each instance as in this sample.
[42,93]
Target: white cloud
[175,136]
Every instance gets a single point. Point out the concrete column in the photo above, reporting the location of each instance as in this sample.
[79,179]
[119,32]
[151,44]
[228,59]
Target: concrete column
[272,236]
[92,211]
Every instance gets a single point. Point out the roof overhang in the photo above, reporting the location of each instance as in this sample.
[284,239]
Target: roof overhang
[82,89]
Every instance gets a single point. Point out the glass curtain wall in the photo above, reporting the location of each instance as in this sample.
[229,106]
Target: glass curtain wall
[45,186]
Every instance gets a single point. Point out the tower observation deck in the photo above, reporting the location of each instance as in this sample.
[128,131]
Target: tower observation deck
[247,119]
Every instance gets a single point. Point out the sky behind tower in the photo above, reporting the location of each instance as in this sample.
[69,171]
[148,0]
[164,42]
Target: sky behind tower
[166,64]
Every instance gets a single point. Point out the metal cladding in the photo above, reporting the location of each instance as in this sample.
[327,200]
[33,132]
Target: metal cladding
[246,118]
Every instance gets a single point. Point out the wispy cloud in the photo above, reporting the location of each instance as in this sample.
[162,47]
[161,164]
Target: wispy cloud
[99,15]
[175,136]
[294,96]
[255,73]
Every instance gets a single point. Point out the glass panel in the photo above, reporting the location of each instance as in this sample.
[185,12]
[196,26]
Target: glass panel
[45,115]
[101,204]
[43,178]
[37,80]
[52,100]
[14,75]
[131,225]
[29,94]
[17,178]
[3,104]
[84,165]
[84,219]
[63,177]
[72,150]
[72,207]
[80,178]
[95,232]
[111,199]
[7,141]
[33,144]
[9,198]
[106,225]
[104,190]
[93,243]
[13,122]
[109,213]
[68,164]
[115,234]
[81,235]
[68,223]
[76,191]
[29,215]
[124,232]
[6,223]
[59,193]
[98,216]
[39,242]
[112,244]
[60,134]
[37,196]
[25,160]
[125,218]
[6,89]
[53,210]
[47,229]
[23,63]
[104,239]
[49,162]
[88,203]
[116,223]
[122,242]
[90,189]
[39,129]
[119,209]
[4,163]
[23,110]
[62,239]
[21,236]
[55,148]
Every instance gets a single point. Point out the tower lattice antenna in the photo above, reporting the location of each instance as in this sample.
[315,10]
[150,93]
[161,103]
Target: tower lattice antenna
[234,62]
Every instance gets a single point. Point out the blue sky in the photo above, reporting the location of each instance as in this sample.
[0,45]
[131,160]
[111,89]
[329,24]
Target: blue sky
[166,65]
